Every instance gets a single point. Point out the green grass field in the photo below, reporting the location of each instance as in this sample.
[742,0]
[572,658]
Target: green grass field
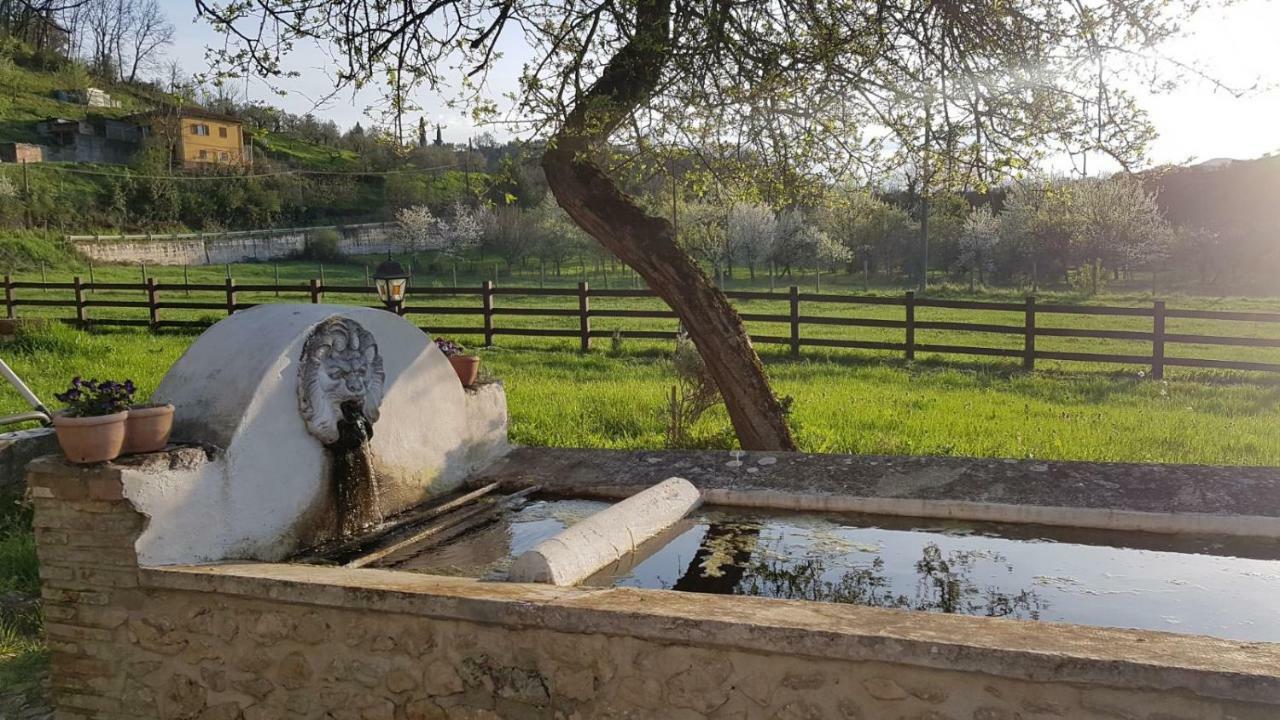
[295,275]
[845,401]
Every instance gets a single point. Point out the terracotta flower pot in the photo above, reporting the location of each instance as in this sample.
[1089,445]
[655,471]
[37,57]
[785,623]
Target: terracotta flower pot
[90,439]
[467,367]
[147,429]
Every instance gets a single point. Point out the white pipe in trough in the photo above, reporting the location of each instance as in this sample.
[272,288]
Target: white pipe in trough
[606,537]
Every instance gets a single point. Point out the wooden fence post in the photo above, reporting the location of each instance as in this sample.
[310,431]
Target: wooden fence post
[315,291]
[487,297]
[153,312]
[1157,341]
[231,295]
[793,295]
[911,325]
[8,297]
[79,290]
[1029,340]
[584,316]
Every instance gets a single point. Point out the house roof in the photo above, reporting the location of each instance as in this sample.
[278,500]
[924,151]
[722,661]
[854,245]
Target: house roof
[187,111]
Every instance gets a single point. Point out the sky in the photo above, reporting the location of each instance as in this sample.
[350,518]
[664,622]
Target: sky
[1196,122]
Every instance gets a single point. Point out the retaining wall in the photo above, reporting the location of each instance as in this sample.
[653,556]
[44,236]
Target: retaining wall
[232,247]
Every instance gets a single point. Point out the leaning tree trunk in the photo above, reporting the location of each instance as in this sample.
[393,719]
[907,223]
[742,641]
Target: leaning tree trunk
[647,243]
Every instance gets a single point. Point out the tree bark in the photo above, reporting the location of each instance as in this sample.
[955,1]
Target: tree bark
[646,242]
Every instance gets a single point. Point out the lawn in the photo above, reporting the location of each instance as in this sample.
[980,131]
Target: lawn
[843,401]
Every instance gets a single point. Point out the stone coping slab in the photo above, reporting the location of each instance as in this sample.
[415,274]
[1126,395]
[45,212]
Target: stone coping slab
[1224,500]
[1025,650]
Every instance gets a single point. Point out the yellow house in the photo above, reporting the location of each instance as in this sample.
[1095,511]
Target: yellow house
[197,137]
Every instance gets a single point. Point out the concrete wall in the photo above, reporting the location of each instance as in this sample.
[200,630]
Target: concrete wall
[232,247]
[267,641]
[92,149]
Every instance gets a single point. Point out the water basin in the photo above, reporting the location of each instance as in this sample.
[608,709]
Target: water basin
[1227,588]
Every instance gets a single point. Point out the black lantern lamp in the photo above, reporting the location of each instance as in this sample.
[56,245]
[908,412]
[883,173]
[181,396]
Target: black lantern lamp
[392,280]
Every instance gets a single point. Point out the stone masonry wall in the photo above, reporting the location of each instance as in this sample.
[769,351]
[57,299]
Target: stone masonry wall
[212,644]
[233,247]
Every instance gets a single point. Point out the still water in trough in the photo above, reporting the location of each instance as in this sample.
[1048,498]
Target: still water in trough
[1204,586]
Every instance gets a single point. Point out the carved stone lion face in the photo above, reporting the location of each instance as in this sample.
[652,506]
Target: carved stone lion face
[340,363]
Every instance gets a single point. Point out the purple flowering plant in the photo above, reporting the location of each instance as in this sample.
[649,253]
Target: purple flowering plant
[449,347]
[93,398]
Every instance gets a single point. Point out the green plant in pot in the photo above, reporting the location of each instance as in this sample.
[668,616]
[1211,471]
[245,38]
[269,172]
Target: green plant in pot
[466,366]
[92,427]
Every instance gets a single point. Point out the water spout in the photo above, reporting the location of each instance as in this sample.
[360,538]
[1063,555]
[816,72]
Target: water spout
[354,482]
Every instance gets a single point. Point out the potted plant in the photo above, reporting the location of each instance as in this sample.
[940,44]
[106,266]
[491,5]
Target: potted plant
[147,429]
[92,427]
[466,366]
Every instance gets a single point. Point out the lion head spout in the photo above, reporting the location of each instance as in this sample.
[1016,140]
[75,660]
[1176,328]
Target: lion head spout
[340,364]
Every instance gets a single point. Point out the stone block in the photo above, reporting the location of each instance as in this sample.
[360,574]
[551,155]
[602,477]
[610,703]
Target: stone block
[606,537]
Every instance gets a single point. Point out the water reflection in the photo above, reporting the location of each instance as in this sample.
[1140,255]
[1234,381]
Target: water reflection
[1024,572]
[724,564]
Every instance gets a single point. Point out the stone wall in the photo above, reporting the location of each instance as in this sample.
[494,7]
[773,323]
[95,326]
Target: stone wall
[259,641]
[232,247]
[19,448]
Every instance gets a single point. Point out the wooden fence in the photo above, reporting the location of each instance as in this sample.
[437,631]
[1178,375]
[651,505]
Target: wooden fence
[491,309]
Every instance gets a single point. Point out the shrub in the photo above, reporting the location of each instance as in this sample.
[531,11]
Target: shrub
[694,393]
[322,245]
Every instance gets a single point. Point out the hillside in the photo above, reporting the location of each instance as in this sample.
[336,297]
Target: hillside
[27,97]
[293,180]
[298,152]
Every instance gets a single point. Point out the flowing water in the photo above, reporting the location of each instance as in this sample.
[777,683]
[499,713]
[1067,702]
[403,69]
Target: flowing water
[1197,585]
[355,483]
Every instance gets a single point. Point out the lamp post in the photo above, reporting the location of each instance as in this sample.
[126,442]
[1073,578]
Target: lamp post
[391,280]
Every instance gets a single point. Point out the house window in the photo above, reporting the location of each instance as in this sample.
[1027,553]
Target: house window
[222,132]
[199,129]
[204,154]
[224,156]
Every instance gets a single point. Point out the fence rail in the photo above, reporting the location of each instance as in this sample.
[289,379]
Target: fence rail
[157,298]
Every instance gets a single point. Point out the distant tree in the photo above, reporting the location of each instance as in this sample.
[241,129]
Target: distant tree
[123,37]
[875,232]
[147,32]
[511,235]
[418,228]
[1036,228]
[461,233]
[978,242]
[1117,223]
[829,251]
[751,229]
[558,237]
[703,234]
[793,240]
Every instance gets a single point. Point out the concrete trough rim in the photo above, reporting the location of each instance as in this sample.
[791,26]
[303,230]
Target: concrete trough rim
[1019,649]
[1259,527]
[1226,501]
